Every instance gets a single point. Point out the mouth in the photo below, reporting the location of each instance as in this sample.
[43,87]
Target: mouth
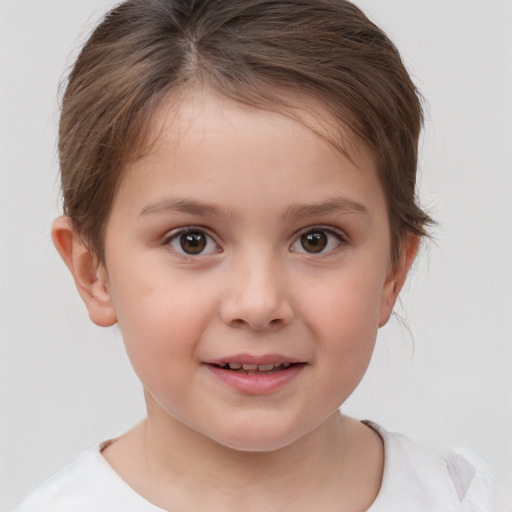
[256,375]
[255,369]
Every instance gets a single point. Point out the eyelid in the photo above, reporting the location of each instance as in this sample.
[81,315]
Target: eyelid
[338,233]
[176,233]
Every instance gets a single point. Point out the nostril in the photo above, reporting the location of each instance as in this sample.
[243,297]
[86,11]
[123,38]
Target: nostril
[274,323]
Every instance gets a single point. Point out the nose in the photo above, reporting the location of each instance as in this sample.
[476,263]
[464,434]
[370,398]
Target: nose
[256,296]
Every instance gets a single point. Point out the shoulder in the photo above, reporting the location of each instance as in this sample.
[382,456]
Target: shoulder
[422,480]
[89,483]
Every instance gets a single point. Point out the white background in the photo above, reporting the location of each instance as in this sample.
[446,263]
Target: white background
[444,379]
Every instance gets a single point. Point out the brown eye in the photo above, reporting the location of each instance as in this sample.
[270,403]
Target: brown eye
[318,241]
[192,242]
[314,241]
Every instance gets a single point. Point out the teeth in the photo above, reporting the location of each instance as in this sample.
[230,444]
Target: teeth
[266,367]
[259,367]
[252,369]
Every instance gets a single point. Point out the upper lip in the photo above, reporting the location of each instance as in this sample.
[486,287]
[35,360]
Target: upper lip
[275,359]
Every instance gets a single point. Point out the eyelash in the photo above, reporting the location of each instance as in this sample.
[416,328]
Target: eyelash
[175,237]
[340,237]
[190,230]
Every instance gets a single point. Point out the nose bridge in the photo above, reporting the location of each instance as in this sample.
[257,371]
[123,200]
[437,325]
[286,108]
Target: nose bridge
[256,295]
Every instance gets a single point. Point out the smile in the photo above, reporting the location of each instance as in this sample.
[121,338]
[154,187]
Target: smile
[254,369]
[256,375]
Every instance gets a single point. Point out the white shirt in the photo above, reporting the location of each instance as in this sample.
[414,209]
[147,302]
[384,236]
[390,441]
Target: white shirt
[414,480]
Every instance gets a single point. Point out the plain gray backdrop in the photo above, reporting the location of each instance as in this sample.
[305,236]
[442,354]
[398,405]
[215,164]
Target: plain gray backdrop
[443,379]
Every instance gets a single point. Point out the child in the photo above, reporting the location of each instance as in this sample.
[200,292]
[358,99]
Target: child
[239,196]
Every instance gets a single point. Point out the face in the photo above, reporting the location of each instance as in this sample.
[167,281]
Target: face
[248,266]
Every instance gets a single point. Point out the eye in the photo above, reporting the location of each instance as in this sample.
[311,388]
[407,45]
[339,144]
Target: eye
[317,240]
[192,242]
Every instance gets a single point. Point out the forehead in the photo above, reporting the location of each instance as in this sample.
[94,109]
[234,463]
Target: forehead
[201,141]
[200,107]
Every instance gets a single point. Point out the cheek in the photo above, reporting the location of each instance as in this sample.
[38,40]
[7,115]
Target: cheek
[344,318]
[347,310]
[161,324]
[345,326]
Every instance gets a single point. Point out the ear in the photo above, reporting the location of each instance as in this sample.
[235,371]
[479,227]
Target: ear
[90,277]
[396,277]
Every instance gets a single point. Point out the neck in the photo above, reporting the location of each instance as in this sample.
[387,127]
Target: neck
[337,466]
[308,474]
[233,475]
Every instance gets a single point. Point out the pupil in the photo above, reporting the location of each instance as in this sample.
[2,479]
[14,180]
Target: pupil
[193,243]
[314,242]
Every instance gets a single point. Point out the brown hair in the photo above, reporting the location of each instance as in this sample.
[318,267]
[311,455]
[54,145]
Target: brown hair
[247,50]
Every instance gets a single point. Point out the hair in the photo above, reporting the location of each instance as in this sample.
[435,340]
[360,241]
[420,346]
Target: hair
[250,51]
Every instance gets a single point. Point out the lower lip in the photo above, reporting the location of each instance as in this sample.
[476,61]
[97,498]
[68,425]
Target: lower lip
[260,383]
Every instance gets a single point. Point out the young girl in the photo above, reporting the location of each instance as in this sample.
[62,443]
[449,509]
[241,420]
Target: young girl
[239,197]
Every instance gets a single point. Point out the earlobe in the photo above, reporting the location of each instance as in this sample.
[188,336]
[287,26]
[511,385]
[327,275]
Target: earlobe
[397,277]
[89,276]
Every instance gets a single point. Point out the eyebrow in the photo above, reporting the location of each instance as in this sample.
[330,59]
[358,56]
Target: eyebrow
[336,205]
[191,207]
[184,206]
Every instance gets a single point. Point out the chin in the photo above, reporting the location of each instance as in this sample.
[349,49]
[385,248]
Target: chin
[258,438]
[257,445]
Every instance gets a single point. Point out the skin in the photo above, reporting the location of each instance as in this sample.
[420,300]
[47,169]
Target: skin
[246,178]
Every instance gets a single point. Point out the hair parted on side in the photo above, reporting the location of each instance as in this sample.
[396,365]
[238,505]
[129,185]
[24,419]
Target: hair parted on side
[247,50]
